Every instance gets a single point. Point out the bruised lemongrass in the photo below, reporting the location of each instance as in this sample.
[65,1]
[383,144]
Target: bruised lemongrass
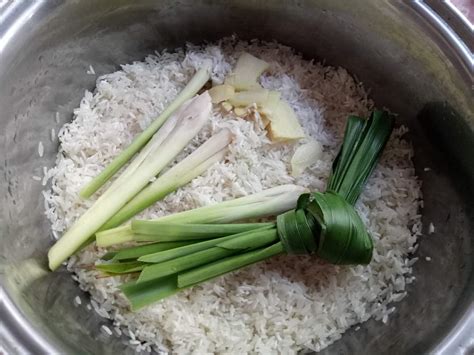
[119,235]
[191,118]
[191,89]
[266,203]
[153,231]
[209,153]
[262,204]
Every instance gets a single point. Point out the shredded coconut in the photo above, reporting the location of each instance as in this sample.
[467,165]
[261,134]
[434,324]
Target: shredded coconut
[288,303]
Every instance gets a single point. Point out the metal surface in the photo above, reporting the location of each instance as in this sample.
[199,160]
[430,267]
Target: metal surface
[404,51]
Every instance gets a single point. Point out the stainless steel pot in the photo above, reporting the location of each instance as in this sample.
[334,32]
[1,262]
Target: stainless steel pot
[407,52]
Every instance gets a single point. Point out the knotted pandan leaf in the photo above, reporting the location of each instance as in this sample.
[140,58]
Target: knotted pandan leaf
[298,229]
[328,226]
[343,238]
[327,223]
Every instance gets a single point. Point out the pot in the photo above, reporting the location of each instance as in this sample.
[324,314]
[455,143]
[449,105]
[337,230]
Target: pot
[410,53]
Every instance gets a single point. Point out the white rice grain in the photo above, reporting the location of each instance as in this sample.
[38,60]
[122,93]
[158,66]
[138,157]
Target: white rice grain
[431,228]
[106,330]
[286,304]
[77,300]
[40,149]
[91,70]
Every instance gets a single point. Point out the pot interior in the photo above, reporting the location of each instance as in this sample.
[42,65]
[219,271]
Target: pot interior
[43,66]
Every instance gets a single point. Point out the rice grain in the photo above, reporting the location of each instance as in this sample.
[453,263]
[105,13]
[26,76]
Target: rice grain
[286,304]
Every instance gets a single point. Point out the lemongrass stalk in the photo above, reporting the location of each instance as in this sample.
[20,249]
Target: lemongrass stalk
[193,248]
[262,204]
[224,266]
[135,252]
[209,153]
[176,232]
[268,202]
[116,236]
[152,144]
[239,243]
[149,231]
[191,89]
[144,293]
[192,117]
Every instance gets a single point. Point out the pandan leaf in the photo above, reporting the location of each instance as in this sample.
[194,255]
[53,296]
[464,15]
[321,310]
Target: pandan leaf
[121,268]
[135,252]
[144,293]
[363,143]
[344,240]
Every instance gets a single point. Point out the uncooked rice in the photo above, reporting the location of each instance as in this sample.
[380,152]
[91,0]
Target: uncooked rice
[431,228]
[106,330]
[77,300]
[40,149]
[280,306]
[90,70]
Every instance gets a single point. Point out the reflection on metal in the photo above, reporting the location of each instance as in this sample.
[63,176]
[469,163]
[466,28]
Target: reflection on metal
[455,42]
[14,17]
[45,49]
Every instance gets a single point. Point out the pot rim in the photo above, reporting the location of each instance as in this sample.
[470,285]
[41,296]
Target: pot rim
[441,16]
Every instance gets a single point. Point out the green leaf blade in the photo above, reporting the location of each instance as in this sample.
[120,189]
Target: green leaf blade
[210,271]
[359,154]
